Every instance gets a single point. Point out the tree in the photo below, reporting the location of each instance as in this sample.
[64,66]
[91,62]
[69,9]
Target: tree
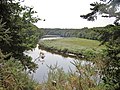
[15,22]
[17,34]
[110,36]
[106,9]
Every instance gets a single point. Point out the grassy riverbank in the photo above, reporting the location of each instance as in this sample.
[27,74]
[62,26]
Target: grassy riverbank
[82,78]
[76,46]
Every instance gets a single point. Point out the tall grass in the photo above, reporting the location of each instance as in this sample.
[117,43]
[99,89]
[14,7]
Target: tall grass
[73,44]
[13,76]
[86,77]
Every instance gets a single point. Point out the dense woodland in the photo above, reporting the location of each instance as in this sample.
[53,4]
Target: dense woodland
[88,33]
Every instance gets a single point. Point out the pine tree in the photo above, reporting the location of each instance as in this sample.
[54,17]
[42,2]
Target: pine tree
[110,37]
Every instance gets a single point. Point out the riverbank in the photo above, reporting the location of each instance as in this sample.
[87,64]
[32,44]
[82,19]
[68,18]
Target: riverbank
[75,47]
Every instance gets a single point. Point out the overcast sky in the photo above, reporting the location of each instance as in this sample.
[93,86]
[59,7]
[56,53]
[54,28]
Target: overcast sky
[65,13]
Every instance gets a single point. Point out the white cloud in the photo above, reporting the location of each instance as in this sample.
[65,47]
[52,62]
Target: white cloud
[64,13]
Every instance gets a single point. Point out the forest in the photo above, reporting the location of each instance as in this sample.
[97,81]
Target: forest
[88,33]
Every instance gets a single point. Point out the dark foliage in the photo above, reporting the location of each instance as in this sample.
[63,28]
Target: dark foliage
[110,36]
[17,33]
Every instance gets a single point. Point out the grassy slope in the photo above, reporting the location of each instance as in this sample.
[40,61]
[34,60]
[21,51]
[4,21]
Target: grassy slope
[73,44]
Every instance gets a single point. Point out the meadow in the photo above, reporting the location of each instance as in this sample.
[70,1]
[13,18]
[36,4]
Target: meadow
[77,46]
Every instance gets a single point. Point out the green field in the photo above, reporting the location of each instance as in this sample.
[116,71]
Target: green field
[73,45]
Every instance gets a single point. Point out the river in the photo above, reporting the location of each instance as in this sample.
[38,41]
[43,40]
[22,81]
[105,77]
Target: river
[50,59]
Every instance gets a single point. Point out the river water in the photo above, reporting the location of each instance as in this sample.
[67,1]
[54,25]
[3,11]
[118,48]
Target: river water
[50,59]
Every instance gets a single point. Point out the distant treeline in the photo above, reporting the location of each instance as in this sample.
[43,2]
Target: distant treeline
[88,33]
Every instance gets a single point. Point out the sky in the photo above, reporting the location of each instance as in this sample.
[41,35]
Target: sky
[65,13]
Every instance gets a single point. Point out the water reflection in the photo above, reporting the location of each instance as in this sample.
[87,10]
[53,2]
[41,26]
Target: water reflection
[44,59]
